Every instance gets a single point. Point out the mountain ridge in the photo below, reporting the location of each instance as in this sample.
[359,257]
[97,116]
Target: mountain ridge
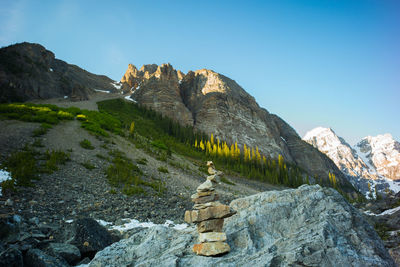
[30,71]
[204,99]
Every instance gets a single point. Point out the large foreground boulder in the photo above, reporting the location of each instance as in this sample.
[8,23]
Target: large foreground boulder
[308,226]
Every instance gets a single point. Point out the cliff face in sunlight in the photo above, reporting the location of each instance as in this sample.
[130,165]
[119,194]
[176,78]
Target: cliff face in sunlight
[216,104]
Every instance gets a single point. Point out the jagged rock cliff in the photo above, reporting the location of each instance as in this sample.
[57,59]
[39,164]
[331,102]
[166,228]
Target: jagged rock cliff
[29,71]
[308,226]
[216,104]
[158,87]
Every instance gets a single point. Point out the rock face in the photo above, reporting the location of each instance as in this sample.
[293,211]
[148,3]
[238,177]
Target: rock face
[29,71]
[216,104]
[308,226]
[374,160]
[157,87]
[66,251]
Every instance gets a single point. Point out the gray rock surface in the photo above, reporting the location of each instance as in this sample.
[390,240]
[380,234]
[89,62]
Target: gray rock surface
[11,258]
[308,226]
[9,229]
[36,258]
[66,251]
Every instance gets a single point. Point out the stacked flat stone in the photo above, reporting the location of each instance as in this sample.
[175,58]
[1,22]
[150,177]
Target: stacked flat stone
[209,216]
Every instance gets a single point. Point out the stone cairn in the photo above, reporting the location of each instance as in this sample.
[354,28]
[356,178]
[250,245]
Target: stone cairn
[209,216]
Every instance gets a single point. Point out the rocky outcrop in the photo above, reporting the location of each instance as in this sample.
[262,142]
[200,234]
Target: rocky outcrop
[308,226]
[215,104]
[31,243]
[29,71]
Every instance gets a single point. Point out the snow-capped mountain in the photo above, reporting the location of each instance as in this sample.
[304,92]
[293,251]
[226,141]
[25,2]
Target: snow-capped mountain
[374,160]
[336,148]
[383,152]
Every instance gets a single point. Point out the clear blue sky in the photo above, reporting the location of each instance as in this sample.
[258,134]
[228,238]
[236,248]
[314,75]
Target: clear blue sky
[314,63]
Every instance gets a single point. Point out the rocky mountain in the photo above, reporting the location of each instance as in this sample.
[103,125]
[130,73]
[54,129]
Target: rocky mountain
[383,153]
[374,160]
[29,71]
[216,104]
[308,226]
[204,99]
[337,149]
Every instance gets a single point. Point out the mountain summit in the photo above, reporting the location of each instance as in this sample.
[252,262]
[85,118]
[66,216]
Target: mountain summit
[374,160]
[382,152]
[337,149]
[216,104]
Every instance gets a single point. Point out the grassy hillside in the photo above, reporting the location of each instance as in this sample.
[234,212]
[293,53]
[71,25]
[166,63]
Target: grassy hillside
[161,136]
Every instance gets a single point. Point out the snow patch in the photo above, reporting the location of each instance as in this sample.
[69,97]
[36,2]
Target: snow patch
[365,157]
[103,223]
[117,85]
[315,132]
[284,140]
[386,212]
[393,185]
[51,69]
[128,97]
[133,223]
[392,164]
[180,226]
[103,91]
[4,176]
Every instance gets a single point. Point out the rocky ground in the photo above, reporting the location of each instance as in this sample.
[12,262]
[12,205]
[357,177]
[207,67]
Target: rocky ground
[44,213]
[384,214]
[307,226]
[52,211]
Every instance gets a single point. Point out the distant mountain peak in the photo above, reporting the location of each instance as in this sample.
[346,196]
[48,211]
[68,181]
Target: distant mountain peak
[372,159]
[383,152]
